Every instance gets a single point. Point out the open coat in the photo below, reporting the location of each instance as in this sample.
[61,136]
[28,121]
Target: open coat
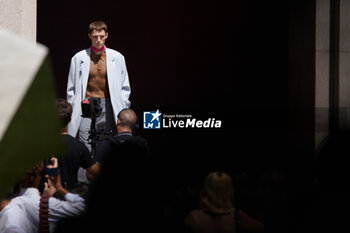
[118,83]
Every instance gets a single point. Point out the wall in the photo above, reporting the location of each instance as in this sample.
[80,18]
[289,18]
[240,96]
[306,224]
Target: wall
[332,55]
[322,71]
[344,61]
[19,17]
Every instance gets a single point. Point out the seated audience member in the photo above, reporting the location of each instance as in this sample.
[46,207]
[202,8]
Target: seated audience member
[216,213]
[125,142]
[77,155]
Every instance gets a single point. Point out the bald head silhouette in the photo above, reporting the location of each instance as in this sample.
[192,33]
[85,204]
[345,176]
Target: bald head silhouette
[127,120]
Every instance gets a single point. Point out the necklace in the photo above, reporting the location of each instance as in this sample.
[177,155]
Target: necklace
[98,50]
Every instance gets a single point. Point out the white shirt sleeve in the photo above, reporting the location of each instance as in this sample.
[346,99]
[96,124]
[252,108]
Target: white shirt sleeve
[73,206]
[13,220]
[12,229]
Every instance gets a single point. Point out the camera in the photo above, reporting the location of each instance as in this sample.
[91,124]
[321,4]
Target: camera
[50,171]
[91,108]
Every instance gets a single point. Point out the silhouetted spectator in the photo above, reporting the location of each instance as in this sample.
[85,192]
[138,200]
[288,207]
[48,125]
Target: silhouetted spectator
[77,155]
[216,212]
[124,196]
[125,142]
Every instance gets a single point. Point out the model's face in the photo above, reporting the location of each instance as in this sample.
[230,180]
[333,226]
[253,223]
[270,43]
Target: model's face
[98,38]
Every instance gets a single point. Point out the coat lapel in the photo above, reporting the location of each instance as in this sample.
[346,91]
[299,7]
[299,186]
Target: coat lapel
[85,69]
[112,70]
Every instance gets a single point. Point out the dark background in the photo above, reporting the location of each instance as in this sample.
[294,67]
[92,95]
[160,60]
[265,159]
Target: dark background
[236,61]
[220,59]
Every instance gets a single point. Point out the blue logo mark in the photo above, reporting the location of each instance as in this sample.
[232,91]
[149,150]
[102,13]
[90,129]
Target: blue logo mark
[152,120]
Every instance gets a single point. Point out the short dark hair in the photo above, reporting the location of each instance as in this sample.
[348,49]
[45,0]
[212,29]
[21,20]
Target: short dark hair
[98,26]
[64,110]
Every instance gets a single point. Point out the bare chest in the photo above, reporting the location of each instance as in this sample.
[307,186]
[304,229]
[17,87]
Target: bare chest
[97,84]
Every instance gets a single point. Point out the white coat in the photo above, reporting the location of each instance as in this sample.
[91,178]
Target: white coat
[118,83]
